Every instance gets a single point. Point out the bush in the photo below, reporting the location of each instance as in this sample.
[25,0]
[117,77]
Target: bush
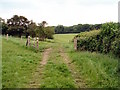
[105,40]
[116,47]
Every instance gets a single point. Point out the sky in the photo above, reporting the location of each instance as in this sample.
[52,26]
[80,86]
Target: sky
[62,12]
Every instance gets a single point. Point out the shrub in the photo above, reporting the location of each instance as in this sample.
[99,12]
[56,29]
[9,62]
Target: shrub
[104,41]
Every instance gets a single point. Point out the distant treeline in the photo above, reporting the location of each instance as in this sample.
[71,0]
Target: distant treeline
[60,29]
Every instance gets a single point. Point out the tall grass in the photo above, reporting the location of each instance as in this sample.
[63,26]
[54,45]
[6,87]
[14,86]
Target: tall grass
[98,70]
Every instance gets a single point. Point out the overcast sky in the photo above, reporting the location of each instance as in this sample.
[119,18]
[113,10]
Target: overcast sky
[62,12]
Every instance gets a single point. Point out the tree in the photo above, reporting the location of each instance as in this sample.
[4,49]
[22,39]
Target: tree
[40,30]
[49,32]
[31,29]
[59,29]
[43,23]
[44,32]
[40,33]
[3,26]
[17,25]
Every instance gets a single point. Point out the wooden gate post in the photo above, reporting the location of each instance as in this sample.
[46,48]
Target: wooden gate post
[75,43]
[37,43]
[7,36]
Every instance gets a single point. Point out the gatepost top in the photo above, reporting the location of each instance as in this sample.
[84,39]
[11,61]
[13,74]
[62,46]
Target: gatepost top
[28,36]
[37,38]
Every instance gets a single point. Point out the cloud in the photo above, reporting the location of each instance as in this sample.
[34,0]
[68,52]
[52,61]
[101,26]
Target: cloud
[65,12]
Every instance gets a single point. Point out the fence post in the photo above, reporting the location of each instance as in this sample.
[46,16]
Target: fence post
[37,43]
[34,43]
[21,38]
[28,41]
[7,36]
[75,43]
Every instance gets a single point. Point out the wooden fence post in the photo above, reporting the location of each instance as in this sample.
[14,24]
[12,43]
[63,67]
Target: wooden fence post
[37,43]
[21,38]
[28,41]
[75,43]
[34,43]
[7,36]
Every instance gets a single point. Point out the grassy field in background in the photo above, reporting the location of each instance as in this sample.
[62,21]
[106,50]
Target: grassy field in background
[19,63]
[64,38]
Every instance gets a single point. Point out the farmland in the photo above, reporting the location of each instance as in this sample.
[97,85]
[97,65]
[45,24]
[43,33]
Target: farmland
[63,67]
[72,44]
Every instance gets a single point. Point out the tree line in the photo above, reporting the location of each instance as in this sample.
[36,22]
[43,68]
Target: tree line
[60,29]
[20,25]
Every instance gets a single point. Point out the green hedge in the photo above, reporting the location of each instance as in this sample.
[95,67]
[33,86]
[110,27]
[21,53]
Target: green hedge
[104,41]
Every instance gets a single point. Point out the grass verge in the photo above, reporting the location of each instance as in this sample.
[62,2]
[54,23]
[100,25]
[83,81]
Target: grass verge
[18,64]
[98,70]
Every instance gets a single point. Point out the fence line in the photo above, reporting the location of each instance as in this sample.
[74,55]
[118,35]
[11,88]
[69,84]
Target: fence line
[35,42]
[29,42]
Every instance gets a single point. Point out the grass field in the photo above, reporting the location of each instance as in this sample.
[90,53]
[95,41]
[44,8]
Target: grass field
[19,63]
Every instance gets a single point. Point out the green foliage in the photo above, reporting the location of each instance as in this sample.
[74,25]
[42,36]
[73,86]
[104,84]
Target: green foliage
[49,32]
[44,32]
[40,33]
[3,26]
[89,34]
[59,29]
[17,25]
[31,29]
[105,40]
[20,25]
[116,46]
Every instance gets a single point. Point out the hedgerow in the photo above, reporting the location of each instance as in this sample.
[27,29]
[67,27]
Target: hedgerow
[104,41]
